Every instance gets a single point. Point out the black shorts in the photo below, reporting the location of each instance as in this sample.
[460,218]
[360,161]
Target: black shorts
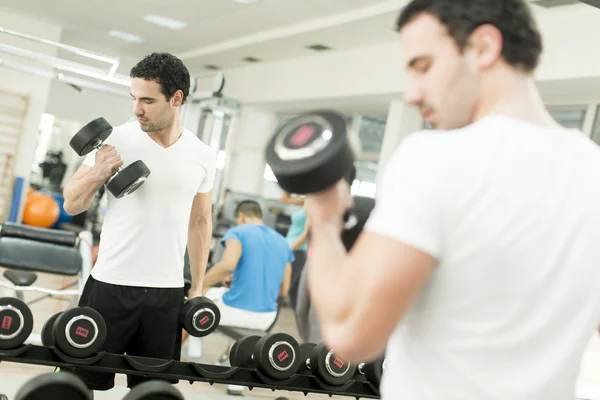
[140,322]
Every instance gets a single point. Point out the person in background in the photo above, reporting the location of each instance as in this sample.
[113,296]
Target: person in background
[297,237]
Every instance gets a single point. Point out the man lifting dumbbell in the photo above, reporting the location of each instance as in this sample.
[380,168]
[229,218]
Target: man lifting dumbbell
[477,271]
[137,282]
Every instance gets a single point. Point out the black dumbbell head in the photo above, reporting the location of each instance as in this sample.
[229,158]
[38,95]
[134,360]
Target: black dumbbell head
[16,323]
[329,367]
[47,330]
[200,316]
[242,351]
[85,139]
[154,390]
[61,385]
[129,179]
[277,355]
[79,332]
[312,152]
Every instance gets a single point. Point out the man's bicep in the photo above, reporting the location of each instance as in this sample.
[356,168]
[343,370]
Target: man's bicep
[202,205]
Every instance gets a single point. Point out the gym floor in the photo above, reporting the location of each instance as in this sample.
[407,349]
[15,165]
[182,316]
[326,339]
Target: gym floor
[14,375]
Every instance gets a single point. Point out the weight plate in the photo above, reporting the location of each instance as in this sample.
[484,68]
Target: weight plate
[16,323]
[326,365]
[93,133]
[60,385]
[277,355]
[305,352]
[47,339]
[79,332]
[129,179]
[200,316]
[242,356]
[312,152]
[154,390]
[374,371]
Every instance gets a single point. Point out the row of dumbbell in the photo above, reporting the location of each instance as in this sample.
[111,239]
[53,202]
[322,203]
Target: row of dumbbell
[279,356]
[66,386]
[80,332]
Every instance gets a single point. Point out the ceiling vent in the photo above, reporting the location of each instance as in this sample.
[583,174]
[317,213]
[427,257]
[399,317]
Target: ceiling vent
[211,67]
[554,3]
[251,59]
[318,47]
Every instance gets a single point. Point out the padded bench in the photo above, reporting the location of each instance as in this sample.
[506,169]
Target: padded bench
[26,250]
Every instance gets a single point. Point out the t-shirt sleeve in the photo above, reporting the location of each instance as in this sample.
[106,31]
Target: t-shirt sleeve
[231,233]
[291,257]
[411,194]
[210,164]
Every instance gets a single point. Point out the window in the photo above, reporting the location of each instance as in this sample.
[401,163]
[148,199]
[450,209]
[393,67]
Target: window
[571,116]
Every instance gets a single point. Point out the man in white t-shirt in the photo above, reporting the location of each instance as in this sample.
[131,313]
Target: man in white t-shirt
[137,282]
[478,272]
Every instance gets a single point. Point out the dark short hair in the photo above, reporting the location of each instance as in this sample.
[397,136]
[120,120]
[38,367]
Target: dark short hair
[522,41]
[166,70]
[249,208]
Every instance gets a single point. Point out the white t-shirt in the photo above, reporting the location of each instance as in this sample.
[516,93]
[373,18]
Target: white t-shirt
[512,212]
[144,234]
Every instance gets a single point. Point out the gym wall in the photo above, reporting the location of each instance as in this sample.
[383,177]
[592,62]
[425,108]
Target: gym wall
[34,87]
[363,80]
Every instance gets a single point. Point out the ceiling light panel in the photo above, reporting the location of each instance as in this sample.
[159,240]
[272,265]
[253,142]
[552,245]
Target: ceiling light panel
[165,22]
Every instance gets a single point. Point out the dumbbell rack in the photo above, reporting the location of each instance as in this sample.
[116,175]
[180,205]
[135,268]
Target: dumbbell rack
[174,371]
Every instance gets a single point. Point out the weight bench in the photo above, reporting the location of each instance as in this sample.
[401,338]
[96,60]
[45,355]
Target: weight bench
[26,250]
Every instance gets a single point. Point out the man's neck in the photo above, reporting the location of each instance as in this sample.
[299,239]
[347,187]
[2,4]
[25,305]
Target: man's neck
[166,137]
[255,221]
[516,96]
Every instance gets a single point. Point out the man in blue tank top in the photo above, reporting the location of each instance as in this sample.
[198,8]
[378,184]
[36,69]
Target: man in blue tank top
[255,270]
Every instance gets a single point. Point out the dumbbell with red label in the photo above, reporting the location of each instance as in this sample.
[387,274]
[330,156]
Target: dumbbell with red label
[78,332]
[328,366]
[92,136]
[277,355]
[16,323]
[312,152]
[200,316]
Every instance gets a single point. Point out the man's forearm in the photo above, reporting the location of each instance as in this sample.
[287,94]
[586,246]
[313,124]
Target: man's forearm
[199,239]
[79,193]
[216,274]
[328,285]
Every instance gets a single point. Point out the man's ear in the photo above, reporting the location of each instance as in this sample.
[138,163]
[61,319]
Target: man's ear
[177,98]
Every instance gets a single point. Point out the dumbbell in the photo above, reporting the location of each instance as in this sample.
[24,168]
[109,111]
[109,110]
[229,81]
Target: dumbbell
[277,355]
[16,323]
[326,365]
[373,371]
[60,385]
[312,152]
[79,332]
[92,136]
[151,390]
[199,316]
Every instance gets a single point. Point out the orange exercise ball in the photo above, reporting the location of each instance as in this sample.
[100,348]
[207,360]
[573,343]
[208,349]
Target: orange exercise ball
[40,210]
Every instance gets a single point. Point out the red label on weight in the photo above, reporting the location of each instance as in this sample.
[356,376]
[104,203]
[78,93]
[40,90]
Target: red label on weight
[282,356]
[302,135]
[82,332]
[338,363]
[204,320]
[6,322]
